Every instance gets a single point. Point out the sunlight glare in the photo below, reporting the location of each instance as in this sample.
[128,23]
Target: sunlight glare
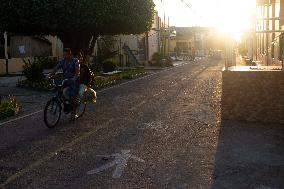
[228,16]
[235,17]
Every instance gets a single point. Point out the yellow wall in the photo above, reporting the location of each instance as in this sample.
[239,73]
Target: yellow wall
[2,66]
[173,44]
[15,65]
[281,12]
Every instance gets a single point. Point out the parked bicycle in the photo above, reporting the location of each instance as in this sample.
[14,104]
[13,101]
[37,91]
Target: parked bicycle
[54,107]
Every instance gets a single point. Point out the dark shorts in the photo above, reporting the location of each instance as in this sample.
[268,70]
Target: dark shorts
[73,87]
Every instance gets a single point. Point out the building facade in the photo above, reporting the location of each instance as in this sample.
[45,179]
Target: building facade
[188,38]
[269,27]
[19,47]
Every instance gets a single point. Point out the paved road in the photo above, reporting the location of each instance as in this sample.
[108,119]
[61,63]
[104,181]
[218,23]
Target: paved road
[161,131]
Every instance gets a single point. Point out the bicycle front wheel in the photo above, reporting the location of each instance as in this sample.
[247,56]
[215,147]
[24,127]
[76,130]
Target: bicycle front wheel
[52,113]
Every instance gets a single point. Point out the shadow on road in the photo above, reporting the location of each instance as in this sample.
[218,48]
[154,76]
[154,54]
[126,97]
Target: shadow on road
[249,155]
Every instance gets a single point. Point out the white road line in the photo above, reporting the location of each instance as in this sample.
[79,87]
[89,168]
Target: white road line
[21,117]
[159,93]
[101,91]
[138,105]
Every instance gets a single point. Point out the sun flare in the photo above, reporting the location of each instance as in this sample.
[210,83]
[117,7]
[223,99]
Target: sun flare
[232,17]
[235,17]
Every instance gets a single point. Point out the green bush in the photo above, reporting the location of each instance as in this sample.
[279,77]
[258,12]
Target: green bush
[33,70]
[39,85]
[109,66]
[47,62]
[96,64]
[157,57]
[8,107]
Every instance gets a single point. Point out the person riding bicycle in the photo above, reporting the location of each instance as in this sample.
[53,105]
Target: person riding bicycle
[71,71]
[86,80]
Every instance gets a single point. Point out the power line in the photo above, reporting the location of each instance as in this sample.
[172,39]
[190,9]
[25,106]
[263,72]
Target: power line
[190,7]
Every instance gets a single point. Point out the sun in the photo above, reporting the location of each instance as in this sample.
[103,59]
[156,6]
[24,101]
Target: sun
[235,17]
[231,17]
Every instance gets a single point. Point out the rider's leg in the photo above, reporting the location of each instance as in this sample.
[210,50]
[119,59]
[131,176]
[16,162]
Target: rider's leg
[74,107]
[82,90]
[66,93]
[74,99]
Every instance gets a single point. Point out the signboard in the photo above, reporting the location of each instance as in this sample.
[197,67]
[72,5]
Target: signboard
[22,49]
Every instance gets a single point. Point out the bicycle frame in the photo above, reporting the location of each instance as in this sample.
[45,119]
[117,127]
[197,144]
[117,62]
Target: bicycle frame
[59,97]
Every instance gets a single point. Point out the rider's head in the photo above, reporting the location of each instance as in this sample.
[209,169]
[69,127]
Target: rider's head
[67,54]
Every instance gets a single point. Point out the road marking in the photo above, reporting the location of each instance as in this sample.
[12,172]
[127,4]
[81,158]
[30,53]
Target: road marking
[155,125]
[159,93]
[50,155]
[120,161]
[264,187]
[138,105]
[22,117]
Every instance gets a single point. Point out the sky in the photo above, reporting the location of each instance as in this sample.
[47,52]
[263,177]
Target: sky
[226,15]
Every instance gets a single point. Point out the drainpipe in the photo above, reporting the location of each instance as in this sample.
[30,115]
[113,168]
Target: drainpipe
[6,52]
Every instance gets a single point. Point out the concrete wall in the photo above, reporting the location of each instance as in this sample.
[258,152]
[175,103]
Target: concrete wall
[57,46]
[153,41]
[30,45]
[2,66]
[253,96]
[14,65]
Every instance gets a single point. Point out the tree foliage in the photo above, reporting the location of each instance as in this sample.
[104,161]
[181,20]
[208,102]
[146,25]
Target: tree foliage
[76,21]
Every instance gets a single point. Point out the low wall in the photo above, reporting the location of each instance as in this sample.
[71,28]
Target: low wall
[14,65]
[256,96]
[2,66]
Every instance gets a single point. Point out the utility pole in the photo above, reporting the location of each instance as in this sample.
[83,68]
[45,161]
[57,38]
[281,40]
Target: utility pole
[120,53]
[267,28]
[169,32]
[164,35]
[147,46]
[159,34]
[6,52]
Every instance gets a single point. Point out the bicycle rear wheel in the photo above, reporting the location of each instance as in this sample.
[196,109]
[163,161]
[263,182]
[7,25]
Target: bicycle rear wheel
[52,113]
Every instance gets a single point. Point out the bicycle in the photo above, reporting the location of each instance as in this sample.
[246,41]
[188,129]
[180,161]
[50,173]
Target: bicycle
[53,107]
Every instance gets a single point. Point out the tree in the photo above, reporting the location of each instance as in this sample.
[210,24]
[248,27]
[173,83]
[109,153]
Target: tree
[75,22]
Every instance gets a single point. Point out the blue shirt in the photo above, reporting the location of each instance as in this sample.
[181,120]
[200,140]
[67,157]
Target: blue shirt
[68,67]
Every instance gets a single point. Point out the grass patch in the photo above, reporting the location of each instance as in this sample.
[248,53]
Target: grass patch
[106,81]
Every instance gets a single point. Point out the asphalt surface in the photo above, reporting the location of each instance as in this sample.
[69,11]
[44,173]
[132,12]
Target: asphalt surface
[160,131]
